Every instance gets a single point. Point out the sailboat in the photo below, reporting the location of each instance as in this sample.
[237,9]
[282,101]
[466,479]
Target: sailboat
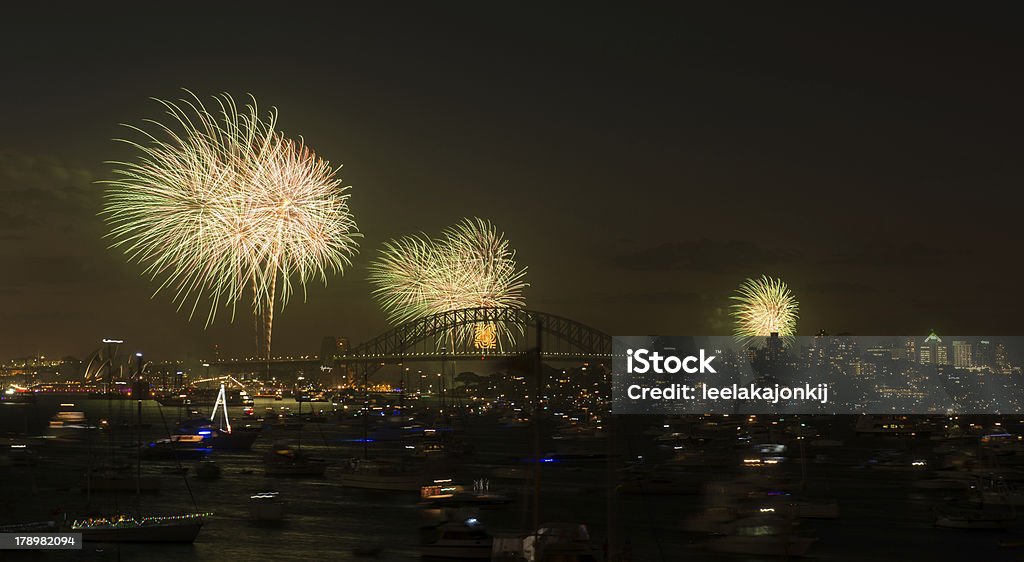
[222,437]
[285,460]
[129,527]
[372,474]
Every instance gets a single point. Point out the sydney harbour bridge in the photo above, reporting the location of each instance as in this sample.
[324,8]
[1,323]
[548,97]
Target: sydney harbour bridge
[507,334]
[514,339]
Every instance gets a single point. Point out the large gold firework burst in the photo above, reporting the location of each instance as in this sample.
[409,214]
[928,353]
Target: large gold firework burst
[219,204]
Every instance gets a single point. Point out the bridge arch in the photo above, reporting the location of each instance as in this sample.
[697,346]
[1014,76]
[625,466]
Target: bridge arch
[560,338]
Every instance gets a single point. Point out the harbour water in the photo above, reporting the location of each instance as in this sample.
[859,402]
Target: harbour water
[883,516]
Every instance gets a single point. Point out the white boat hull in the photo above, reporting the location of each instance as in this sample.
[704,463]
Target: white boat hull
[184,533]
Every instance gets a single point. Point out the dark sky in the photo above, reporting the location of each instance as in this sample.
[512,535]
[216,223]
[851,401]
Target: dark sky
[643,162]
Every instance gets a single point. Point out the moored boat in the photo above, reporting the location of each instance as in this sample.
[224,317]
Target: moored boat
[378,475]
[129,528]
[285,461]
[456,540]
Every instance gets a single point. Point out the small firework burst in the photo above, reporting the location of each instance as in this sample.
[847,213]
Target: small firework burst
[764,306]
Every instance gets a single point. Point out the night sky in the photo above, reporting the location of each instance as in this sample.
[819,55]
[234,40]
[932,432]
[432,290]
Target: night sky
[642,162]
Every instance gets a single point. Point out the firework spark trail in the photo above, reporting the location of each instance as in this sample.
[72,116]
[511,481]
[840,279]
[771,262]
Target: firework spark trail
[764,306]
[471,265]
[219,203]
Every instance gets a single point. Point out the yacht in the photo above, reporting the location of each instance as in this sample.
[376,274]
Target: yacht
[68,423]
[562,541]
[176,447]
[889,425]
[659,484]
[129,528]
[378,475]
[444,494]
[17,454]
[230,439]
[456,540]
[285,461]
[997,491]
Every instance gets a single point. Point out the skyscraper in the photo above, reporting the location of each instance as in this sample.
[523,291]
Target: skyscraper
[933,351]
[962,356]
[910,349]
[1002,362]
[985,354]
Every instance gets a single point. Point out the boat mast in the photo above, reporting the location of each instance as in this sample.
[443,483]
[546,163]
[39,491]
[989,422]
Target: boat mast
[138,427]
[366,415]
[539,366]
[221,403]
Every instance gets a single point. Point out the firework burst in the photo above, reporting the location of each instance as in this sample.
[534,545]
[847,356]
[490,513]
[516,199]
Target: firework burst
[471,265]
[219,204]
[764,306]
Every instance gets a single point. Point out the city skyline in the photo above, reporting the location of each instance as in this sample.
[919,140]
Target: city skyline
[823,166]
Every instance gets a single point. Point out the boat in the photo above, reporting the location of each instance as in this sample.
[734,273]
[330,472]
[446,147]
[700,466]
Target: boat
[216,430]
[67,423]
[379,475]
[767,536]
[997,491]
[444,494]
[285,461]
[176,447]
[889,425]
[456,540]
[17,454]
[18,395]
[429,449]
[562,541]
[31,527]
[229,439]
[266,507]
[898,463]
[660,483]
[67,418]
[134,527]
[127,528]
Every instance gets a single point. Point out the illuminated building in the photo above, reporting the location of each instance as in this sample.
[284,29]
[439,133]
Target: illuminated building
[985,354]
[962,356]
[1002,363]
[910,349]
[933,351]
